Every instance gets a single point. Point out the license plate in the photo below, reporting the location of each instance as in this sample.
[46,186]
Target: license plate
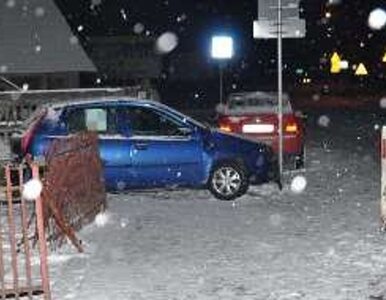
[258,128]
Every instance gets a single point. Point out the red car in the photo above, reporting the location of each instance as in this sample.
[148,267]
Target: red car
[254,115]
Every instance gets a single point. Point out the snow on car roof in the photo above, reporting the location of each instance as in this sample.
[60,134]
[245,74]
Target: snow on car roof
[263,97]
[254,102]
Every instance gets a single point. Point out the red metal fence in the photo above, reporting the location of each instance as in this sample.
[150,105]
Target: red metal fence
[22,227]
[74,189]
[73,194]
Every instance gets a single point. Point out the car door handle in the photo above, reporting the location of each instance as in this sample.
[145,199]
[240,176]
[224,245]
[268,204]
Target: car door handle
[141,146]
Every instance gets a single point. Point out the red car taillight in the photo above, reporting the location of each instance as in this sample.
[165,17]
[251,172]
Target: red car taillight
[291,124]
[291,128]
[225,128]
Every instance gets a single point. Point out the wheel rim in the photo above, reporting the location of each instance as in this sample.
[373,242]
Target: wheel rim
[226,181]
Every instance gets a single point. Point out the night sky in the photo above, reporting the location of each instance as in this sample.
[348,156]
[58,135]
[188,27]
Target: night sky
[346,31]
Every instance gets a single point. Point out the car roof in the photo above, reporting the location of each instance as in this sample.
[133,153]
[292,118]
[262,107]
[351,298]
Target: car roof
[118,100]
[99,100]
[257,94]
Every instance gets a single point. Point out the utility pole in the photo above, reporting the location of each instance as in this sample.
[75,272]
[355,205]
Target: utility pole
[280,83]
[279,19]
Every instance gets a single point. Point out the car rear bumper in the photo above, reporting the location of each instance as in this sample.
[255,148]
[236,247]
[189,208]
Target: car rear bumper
[292,144]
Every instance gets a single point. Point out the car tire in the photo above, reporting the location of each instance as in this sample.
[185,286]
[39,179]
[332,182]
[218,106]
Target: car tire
[228,181]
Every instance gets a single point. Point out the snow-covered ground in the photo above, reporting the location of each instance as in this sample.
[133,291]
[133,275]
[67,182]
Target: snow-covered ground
[321,244]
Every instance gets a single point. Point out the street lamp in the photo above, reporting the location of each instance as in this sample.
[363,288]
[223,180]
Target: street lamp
[222,50]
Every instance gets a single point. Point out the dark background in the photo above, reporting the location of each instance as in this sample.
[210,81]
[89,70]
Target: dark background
[254,64]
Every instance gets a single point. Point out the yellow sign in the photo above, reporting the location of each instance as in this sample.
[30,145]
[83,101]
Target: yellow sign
[335,63]
[361,70]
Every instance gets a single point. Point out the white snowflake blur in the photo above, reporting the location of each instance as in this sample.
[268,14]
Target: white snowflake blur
[32,189]
[39,12]
[74,40]
[3,69]
[382,103]
[377,19]
[298,184]
[166,42]
[324,121]
[11,3]
[102,219]
[38,48]
[138,28]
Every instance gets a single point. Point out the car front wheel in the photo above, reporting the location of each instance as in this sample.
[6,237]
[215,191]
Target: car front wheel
[228,181]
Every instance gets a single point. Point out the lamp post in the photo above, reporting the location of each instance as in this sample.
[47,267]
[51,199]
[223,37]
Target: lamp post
[222,50]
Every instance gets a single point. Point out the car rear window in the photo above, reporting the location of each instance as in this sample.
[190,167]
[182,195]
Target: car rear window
[257,102]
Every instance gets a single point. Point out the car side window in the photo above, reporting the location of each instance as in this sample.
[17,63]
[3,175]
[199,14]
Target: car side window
[144,121]
[96,119]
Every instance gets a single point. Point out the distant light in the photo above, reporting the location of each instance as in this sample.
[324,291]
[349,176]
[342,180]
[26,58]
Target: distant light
[344,64]
[25,87]
[384,58]
[328,15]
[222,47]
[99,81]
[80,28]
[361,70]
[38,48]
[335,63]
[377,19]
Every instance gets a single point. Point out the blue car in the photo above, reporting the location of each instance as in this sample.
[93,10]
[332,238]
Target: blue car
[145,144]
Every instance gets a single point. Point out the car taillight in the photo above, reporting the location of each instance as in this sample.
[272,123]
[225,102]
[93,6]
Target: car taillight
[291,128]
[225,128]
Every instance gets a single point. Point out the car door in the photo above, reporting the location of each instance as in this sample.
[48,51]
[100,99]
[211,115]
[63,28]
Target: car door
[164,150]
[112,148]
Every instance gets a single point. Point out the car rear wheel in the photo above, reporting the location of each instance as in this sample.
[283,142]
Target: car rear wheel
[228,181]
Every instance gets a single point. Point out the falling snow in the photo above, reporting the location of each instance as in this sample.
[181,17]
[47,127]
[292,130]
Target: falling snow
[382,103]
[298,184]
[138,28]
[11,3]
[324,121]
[166,42]
[39,12]
[377,19]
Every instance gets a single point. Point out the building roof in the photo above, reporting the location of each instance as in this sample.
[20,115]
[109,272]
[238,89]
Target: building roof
[35,38]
